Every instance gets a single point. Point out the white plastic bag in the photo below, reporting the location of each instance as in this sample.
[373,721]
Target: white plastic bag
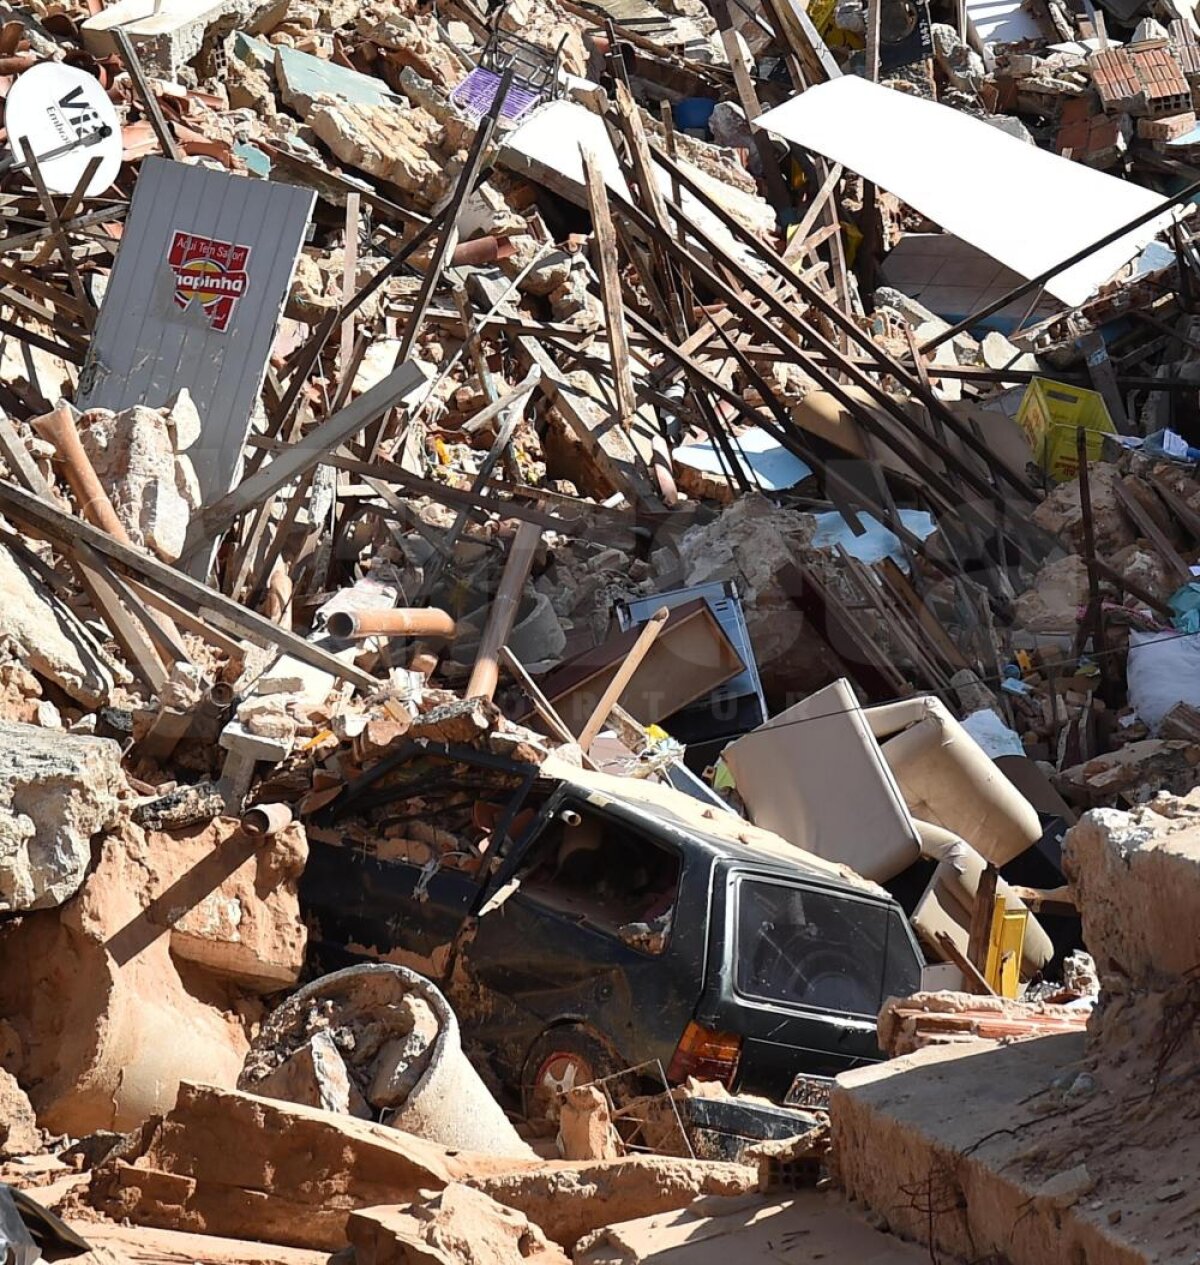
[1164,669]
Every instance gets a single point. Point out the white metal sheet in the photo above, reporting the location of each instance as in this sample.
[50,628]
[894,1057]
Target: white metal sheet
[193,301]
[546,148]
[1028,208]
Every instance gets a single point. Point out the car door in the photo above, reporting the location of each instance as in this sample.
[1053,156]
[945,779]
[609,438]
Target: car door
[545,951]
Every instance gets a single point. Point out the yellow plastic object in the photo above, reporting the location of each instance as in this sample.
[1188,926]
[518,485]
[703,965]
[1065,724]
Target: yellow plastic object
[1005,947]
[1051,414]
[821,12]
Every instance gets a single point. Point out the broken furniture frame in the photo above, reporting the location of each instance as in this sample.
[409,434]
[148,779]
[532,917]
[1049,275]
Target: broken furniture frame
[532,74]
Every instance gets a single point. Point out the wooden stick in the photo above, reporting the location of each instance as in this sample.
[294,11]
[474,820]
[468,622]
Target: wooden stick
[56,228]
[812,214]
[70,208]
[624,674]
[66,530]
[98,581]
[541,704]
[58,429]
[149,102]
[349,276]
[973,978]
[982,914]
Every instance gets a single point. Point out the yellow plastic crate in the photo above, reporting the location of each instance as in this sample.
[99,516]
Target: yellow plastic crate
[1051,414]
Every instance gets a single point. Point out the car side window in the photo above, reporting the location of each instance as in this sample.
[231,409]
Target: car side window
[810,948]
[597,870]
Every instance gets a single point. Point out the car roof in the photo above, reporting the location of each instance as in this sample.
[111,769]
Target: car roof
[725,834]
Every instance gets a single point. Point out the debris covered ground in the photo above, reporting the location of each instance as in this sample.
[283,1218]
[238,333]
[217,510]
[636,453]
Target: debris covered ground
[598,655]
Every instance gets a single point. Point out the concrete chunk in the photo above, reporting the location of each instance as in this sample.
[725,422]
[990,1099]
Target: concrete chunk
[316,1075]
[1136,878]
[460,1226]
[237,738]
[56,791]
[570,1200]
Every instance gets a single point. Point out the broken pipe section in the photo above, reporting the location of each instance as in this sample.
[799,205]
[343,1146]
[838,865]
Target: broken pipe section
[375,1039]
[399,621]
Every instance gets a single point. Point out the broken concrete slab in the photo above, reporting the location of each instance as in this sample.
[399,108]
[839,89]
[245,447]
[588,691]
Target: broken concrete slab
[570,1200]
[235,905]
[143,1245]
[18,1125]
[129,988]
[1056,1145]
[57,791]
[1136,879]
[1136,772]
[303,79]
[907,1148]
[459,1226]
[168,34]
[943,1018]
[43,634]
[230,1163]
[315,1075]
[749,1230]
[395,143]
[585,1127]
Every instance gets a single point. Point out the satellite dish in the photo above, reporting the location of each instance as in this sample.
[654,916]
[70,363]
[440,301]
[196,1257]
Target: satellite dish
[67,119]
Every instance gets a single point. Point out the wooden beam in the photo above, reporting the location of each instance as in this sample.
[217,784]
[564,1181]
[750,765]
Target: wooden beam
[608,445]
[349,276]
[450,217]
[1144,521]
[605,243]
[64,530]
[56,229]
[302,455]
[1104,378]
[812,213]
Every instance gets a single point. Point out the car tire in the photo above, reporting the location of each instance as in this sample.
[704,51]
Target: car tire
[562,1059]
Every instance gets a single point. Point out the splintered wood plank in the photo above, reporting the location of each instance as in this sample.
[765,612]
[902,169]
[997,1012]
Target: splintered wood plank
[610,287]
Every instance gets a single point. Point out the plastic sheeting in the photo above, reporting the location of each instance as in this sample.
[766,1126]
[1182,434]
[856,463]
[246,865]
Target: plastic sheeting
[877,542]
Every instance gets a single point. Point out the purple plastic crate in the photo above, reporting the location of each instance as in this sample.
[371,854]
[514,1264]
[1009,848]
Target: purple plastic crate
[478,90]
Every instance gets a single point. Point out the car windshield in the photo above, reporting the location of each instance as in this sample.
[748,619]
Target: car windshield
[820,949]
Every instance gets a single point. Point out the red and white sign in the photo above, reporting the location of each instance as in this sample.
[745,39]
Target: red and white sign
[210,273]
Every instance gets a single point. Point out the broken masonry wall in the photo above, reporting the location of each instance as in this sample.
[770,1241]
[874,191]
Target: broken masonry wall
[109,1015]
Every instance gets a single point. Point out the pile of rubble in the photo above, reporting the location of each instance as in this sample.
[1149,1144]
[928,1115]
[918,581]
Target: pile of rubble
[571,572]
